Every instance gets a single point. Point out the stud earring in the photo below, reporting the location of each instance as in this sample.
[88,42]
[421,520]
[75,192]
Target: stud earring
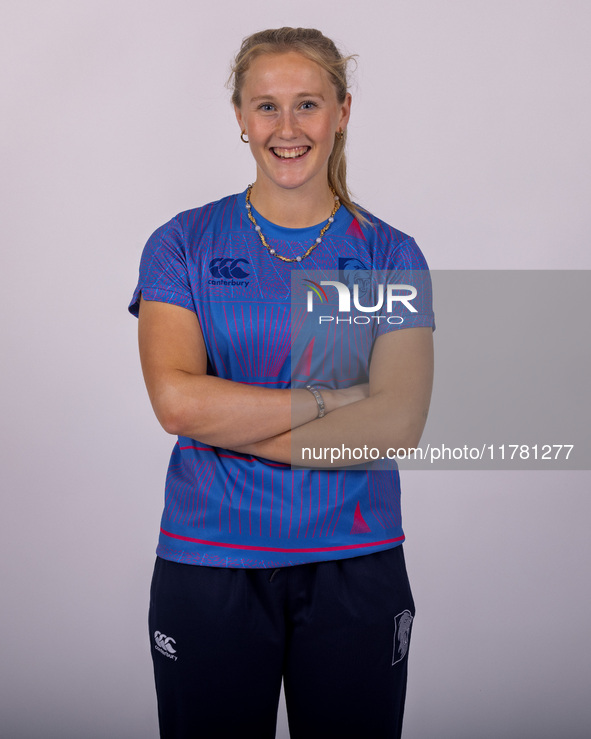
[340,134]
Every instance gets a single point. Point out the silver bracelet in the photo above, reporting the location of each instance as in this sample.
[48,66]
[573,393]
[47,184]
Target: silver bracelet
[319,400]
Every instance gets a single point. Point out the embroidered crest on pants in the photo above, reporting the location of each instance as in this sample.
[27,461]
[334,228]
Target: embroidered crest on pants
[402,626]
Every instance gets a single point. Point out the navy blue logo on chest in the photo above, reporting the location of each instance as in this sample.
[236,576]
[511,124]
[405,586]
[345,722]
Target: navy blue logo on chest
[352,271]
[229,271]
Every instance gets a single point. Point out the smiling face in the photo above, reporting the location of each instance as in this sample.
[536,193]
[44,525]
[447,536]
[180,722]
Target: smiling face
[290,112]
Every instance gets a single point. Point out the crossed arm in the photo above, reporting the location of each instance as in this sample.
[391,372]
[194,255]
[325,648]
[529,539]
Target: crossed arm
[389,412]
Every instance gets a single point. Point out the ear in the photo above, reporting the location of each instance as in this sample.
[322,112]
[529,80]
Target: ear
[345,111]
[238,115]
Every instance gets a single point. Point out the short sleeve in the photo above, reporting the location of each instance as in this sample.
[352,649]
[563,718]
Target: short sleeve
[164,275]
[411,306]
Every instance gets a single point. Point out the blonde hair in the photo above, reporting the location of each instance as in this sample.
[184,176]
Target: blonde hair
[318,48]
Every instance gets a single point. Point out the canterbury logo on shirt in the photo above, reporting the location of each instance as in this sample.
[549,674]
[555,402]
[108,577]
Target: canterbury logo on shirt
[228,268]
[228,271]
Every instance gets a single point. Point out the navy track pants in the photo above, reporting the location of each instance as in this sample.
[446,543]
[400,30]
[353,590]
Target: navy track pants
[338,632]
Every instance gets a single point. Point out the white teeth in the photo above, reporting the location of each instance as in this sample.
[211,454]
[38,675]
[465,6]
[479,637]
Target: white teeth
[290,153]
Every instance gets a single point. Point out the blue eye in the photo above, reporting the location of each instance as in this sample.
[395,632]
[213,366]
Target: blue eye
[266,107]
[308,105]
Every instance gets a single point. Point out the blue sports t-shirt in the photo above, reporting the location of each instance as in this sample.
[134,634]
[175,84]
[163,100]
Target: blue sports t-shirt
[227,509]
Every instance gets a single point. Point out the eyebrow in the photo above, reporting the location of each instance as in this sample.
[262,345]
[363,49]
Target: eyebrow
[299,95]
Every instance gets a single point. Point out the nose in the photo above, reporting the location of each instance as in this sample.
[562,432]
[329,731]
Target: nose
[287,125]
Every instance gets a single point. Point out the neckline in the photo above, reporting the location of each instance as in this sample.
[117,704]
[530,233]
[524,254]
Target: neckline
[275,231]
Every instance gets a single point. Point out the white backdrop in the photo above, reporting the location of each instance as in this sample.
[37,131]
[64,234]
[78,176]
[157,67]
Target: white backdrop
[470,130]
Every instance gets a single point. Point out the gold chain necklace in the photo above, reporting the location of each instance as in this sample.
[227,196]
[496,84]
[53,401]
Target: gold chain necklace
[310,249]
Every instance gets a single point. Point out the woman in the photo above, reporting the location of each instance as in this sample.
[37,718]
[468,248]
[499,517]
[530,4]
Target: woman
[264,570]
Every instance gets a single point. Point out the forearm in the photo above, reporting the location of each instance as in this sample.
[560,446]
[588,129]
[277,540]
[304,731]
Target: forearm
[376,423]
[276,448]
[221,412]
[372,423]
[231,414]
